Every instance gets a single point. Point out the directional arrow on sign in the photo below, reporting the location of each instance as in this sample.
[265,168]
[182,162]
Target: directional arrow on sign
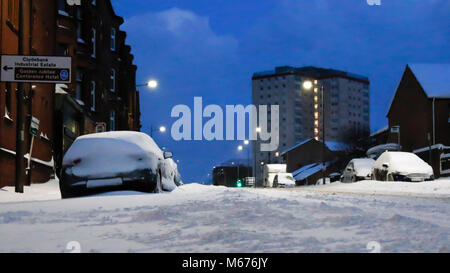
[6,68]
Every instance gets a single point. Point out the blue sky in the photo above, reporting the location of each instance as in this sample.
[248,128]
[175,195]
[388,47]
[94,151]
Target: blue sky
[211,48]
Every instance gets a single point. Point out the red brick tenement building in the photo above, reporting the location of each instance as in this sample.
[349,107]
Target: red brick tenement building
[102,92]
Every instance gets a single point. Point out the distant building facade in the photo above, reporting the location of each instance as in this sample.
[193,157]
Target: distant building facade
[102,95]
[421,110]
[346,104]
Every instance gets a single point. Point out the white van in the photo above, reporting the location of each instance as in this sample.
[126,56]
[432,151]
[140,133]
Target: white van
[275,176]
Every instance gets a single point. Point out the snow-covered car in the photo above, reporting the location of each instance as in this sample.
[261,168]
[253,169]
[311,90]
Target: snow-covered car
[283,180]
[401,166]
[358,169]
[115,160]
[170,175]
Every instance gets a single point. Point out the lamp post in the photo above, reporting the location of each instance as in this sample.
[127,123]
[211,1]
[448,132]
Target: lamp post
[308,85]
[152,84]
[161,129]
[241,148]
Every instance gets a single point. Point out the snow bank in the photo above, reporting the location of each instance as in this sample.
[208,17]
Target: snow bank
[206,219]
[432,189]
[35,192]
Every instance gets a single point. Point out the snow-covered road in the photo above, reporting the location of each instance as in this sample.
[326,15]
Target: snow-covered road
[197,218]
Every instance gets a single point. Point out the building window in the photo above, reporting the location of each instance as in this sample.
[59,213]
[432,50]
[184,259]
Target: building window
[113,80]
[93,96]
[112,121]
[79,32]
[62,7]
[113,39]
[94,43]
[79,87]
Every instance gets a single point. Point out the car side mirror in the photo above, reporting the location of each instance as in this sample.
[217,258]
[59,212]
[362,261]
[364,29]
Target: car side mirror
[349,169]
[168,155]
[385,165]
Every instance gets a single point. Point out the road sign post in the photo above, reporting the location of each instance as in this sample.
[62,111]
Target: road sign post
[34,70]
[34,130]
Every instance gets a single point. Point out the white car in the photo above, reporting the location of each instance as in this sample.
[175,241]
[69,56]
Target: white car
[282,180]
[401,166]
[358,169]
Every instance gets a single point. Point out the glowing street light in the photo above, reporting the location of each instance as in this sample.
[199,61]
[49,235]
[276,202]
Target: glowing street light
[152,84]
[161,129]
[308,85]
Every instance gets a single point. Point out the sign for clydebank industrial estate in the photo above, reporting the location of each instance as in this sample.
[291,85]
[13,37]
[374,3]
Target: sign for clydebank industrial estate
[36,69]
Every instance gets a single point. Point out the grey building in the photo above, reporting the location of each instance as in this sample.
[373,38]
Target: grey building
[346,100]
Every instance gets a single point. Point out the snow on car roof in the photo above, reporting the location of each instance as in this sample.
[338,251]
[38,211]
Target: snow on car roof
[403,162]
[137,139]
[434,78]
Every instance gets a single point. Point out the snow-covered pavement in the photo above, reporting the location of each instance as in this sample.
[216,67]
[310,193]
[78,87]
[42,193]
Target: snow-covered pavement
[197,218]
[430,189]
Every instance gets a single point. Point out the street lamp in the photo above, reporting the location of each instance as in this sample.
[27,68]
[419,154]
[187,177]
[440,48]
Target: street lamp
[152,84]
[161,129]
[241,148]
[308,85]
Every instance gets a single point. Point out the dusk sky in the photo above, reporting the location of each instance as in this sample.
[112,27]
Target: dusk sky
[211,48]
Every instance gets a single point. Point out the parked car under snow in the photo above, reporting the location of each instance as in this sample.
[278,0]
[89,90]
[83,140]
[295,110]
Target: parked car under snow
[116,160]
[358,169]
[401,166]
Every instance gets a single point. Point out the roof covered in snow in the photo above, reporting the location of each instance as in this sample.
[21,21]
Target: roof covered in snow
[332,145]
[308,170]
[434,79]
